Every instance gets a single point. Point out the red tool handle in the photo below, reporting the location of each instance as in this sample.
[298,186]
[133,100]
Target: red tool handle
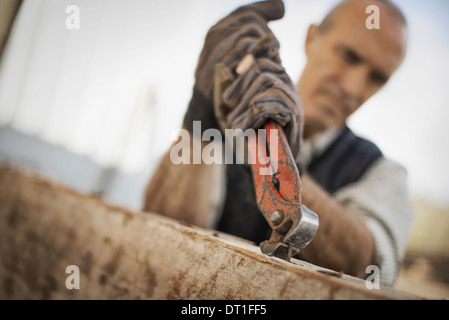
[272,163]
[271,159]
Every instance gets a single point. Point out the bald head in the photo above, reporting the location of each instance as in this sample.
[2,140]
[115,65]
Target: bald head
[333,15]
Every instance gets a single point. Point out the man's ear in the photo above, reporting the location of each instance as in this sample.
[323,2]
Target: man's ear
[311,35]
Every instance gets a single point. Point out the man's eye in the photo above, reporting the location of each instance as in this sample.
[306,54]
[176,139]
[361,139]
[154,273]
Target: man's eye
[379,79]
[350,57]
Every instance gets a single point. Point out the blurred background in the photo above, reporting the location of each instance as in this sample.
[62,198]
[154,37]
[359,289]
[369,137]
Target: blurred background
[93,103]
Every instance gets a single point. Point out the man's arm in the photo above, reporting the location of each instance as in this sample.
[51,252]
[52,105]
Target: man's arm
[363,223]
[192,193]
[342,242]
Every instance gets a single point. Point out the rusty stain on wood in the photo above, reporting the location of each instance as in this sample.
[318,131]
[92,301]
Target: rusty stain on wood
[122,254]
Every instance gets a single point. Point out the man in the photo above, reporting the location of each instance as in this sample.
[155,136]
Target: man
[359,195]
[368,219]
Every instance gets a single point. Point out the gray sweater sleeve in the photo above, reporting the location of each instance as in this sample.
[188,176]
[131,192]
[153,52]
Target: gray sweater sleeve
[381,199]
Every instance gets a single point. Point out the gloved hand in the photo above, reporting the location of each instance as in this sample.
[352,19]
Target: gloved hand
[248,99]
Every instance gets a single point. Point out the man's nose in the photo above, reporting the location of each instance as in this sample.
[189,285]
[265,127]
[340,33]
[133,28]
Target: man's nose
[354,83]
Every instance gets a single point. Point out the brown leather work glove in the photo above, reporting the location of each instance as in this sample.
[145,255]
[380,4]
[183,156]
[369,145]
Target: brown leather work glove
[240,104]
[261,90]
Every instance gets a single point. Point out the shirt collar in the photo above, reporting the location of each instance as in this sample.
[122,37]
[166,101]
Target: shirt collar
[316,145]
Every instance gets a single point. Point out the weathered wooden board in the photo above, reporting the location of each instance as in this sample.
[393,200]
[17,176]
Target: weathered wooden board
[134,255]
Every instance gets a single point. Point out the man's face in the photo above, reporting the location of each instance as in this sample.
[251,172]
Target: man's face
[347,64]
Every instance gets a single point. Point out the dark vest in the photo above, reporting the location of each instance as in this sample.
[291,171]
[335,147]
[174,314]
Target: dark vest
[344,162]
